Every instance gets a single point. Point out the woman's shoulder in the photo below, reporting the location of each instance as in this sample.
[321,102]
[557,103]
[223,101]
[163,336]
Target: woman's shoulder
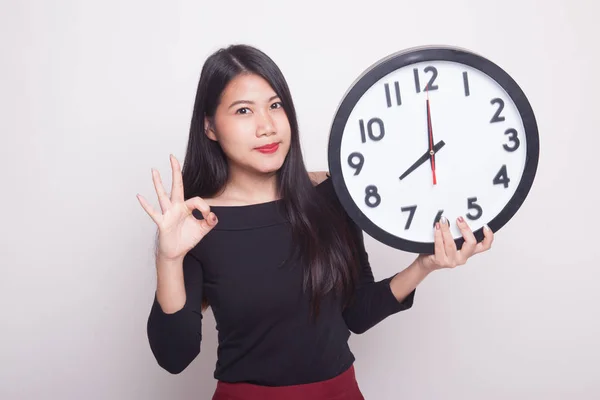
[318,177]
[323,183]
[324,186]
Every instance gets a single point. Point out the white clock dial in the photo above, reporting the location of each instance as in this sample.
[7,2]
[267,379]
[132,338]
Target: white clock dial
[474,150]
[479,141]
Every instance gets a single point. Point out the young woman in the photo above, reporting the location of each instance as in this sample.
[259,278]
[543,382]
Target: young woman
[249,232]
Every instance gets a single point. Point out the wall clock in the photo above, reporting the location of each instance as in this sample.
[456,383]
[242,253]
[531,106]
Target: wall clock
[432,131]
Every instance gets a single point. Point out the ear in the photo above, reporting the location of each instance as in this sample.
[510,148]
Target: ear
[209,129]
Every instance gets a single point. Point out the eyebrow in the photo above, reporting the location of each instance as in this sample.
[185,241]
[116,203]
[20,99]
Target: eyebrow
[249,102]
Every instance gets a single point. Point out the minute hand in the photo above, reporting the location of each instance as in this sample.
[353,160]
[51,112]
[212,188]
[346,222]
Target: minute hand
[426,156]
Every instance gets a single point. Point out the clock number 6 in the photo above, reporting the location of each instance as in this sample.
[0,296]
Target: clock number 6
[472,205]
[361,162]
[438,216]
[371,193]
[372,121]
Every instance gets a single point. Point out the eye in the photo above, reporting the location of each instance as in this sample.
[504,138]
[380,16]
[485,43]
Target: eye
[277,105]
[243,110]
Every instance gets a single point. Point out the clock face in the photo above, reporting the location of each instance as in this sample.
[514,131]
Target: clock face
[427,133]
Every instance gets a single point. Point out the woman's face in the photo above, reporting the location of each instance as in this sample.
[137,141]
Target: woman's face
[250,115]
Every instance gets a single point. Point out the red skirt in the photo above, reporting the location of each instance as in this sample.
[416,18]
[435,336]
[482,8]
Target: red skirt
[341,387]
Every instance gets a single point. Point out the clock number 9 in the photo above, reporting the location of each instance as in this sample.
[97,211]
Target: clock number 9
[372,121]
[371,192]
[357,166]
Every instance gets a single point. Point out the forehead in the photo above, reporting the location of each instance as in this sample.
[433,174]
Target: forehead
[248,87]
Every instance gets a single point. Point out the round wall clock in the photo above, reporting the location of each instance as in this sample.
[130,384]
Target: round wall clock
[427,132]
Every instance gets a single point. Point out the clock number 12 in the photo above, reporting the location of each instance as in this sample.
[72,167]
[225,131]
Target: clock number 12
[431,84]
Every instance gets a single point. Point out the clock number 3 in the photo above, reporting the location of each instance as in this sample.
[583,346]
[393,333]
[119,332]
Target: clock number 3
[512,136]
[372,197]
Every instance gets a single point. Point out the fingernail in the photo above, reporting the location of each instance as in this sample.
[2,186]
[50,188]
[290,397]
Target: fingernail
[437,225]
[444,220]
[461,219]
[213,218]
[487,228]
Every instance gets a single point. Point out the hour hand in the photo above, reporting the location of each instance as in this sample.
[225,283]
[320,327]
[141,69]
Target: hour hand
[426,156]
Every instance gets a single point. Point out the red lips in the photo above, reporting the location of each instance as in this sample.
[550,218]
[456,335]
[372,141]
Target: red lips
[269,148]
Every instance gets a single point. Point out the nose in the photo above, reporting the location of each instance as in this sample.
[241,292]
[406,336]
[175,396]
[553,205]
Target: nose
[265,125]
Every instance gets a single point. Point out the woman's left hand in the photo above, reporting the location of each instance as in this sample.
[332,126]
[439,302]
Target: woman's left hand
[446,254]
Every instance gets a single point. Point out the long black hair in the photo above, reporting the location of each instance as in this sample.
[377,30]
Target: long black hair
[321,233]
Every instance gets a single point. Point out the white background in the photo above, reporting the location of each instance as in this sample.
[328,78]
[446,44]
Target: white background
[94,94]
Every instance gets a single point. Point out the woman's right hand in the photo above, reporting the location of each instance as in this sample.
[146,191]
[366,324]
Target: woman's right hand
[178,230]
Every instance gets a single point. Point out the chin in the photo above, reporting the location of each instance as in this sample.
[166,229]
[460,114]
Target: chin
[269,163]
[269,166]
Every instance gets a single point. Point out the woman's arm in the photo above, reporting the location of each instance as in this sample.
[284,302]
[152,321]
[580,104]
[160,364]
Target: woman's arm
[404,282]
[170,285]
[374,301]
[174,325]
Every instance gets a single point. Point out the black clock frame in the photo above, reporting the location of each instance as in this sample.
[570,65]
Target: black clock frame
[405,58]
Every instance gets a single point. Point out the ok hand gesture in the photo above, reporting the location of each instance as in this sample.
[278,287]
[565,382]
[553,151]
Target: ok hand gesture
[178,229]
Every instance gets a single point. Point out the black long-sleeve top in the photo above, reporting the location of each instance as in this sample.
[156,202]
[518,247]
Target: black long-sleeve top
[265,332]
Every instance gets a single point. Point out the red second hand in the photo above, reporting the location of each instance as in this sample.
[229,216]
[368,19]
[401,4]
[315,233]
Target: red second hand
[430,137]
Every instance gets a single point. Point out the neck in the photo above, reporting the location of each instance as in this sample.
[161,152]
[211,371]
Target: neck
[251,187]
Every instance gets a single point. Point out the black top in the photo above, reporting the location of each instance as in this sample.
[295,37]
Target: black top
[265,332]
